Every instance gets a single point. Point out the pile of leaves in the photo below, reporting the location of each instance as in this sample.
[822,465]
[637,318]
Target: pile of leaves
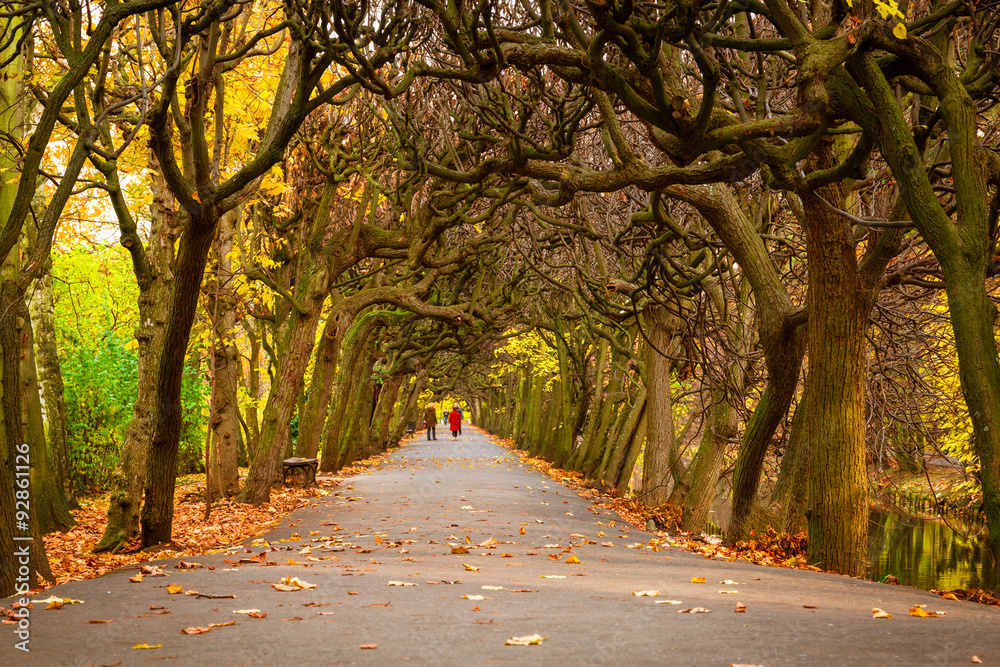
[771,548]
[971,594]
[70,554]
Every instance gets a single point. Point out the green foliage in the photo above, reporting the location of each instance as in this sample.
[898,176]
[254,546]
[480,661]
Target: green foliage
[95,301]
[100,384]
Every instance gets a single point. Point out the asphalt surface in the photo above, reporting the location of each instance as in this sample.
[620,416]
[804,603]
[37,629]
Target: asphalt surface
[399,522]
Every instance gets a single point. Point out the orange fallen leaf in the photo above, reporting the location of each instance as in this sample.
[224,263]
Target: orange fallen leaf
[740,608]
[369,646]
[198,630]
[522,531]
[572,560]
[920,612]
[459,550]
[949,596]
[174,589]
[136,579]
[98,620]
[878,613]
[697,580]
[976,660]
[257,614]
[694,610]
[470,568]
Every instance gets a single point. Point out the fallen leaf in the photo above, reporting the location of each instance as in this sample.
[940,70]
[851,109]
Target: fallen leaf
[730,582]
[221,625]
[257,614]
[809,606]
[470,568]
[55,604]
[473,597]
[976,660]
[174,589]
[246,611]
[525,641]
[572,560]
[668,602]
[293,618]
[152,570]
[524,590]
[553,576]
[184,565]
[522,531]
[137,579]
[878,613]
[401,583]
[369,646]
[492,588]
[697,580]
[920,612]
[144,645]
[694,610]
[650,594]
[97,620]
[292,584]
[950,596]
[198,630]
[459,550]
[740,608]
[728,592]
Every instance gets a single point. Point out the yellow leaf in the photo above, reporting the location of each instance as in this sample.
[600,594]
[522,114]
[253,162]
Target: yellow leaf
[697,580]
[525,641]
[131,345]
[136,579]
[920,612]
[522,531]
[145,645]
[471,568]
[878,613]
[649,594]
[572,560]
[468,540]
[173,589]
[899,31]
[401,583]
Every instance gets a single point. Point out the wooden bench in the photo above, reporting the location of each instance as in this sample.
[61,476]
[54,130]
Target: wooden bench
[308,467]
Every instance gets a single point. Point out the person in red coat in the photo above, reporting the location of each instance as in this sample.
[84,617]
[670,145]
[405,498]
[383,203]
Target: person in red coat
[455,421]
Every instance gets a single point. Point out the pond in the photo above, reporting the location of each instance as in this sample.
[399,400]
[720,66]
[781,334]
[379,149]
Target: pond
[928,553]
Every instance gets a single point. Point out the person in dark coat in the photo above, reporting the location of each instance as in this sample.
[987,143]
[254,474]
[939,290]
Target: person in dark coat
[430,421]
[455,421]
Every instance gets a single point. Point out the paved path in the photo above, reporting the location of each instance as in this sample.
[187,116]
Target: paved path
[395,524]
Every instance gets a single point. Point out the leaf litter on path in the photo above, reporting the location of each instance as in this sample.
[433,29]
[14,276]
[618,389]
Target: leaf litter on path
[529,640]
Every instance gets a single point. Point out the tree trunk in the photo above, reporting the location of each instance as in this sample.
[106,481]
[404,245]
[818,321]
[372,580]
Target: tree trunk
[155,279]
[42,308]
[838,315]
[321,387]
[50,507]
[156,518]
[660,441]
[224,457]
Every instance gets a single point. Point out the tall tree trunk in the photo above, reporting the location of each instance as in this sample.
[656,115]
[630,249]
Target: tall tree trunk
[660,437]
[154,271]
[156,518]
[838,314]
[42,309]
[321,387]
[225,425]
[50,506]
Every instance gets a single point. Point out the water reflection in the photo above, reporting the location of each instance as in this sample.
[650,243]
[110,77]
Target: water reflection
[929,554]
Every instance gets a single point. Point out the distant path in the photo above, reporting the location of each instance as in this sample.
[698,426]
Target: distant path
[438,492]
